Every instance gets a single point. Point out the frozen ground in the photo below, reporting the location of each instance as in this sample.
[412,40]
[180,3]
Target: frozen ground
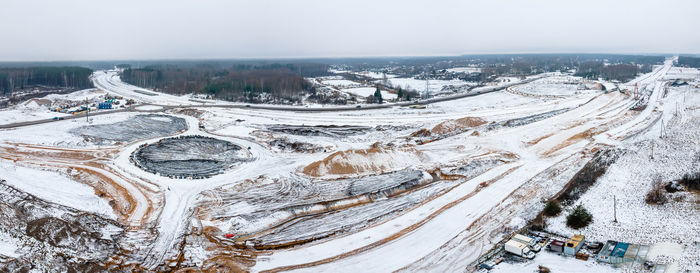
[356,191]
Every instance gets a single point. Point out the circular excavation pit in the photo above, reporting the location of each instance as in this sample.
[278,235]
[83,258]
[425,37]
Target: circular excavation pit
[193,157]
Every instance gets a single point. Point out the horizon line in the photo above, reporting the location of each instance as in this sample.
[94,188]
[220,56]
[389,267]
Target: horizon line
[337,57]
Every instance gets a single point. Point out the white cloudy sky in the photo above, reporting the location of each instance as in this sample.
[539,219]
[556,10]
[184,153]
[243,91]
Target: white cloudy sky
[41,30]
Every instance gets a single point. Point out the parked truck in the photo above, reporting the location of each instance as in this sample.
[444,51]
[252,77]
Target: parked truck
[529,241]
[519,249]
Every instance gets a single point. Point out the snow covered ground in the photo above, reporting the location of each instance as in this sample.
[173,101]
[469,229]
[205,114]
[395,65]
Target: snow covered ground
[419,85]
[374,75]
[630,178]
[33,110]
[55,187]
[368,91]
[556,263]
[464,69]
[26,111]
[341,83]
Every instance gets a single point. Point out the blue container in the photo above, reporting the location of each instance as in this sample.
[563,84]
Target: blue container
[104,105]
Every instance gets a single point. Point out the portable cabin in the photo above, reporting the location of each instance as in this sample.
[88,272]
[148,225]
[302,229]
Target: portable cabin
[631,253]
[606,252]
[556,246]
[574,244]
[642,253]
[618,253]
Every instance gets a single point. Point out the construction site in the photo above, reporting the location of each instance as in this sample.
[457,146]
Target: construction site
[454,182]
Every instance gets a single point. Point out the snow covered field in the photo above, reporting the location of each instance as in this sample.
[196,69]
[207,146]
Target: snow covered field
[341,83]
[464,69]
[391,189]
[368,91]
[419,85]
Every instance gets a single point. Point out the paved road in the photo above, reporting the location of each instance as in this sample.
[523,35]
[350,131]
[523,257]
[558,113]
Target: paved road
[273,107]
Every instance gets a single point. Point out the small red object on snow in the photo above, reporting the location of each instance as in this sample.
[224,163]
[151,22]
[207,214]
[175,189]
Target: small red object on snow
[228,235]
[483,184]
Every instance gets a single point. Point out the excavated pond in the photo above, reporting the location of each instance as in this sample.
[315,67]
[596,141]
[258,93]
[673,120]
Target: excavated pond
[189,157]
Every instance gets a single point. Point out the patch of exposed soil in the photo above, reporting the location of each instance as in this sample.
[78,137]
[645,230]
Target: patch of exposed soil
[364,161]
[421,133]
[450,126]
[189,112]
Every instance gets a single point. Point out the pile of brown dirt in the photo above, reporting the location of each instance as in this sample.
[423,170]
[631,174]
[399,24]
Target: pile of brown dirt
[421,133]
[190,112]
[364,161]
[450,126]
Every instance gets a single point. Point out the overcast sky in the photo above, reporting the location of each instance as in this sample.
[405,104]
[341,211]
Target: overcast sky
[46,30]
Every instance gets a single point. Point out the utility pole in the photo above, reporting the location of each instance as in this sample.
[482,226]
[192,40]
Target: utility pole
[427,87]
[661,134]
[615,207]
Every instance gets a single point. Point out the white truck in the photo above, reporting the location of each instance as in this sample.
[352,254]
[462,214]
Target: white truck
[519,249]
[530,242]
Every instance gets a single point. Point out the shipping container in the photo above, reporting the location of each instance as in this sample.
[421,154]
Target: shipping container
[519,249]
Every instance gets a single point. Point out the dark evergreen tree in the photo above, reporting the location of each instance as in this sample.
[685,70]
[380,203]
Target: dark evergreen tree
[579,217]
[378,95]
[552,208]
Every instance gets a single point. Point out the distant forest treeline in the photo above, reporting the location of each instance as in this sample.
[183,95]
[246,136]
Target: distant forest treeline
[620,72]
[620,67]
[689,61]
[13,79]
[237,82]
